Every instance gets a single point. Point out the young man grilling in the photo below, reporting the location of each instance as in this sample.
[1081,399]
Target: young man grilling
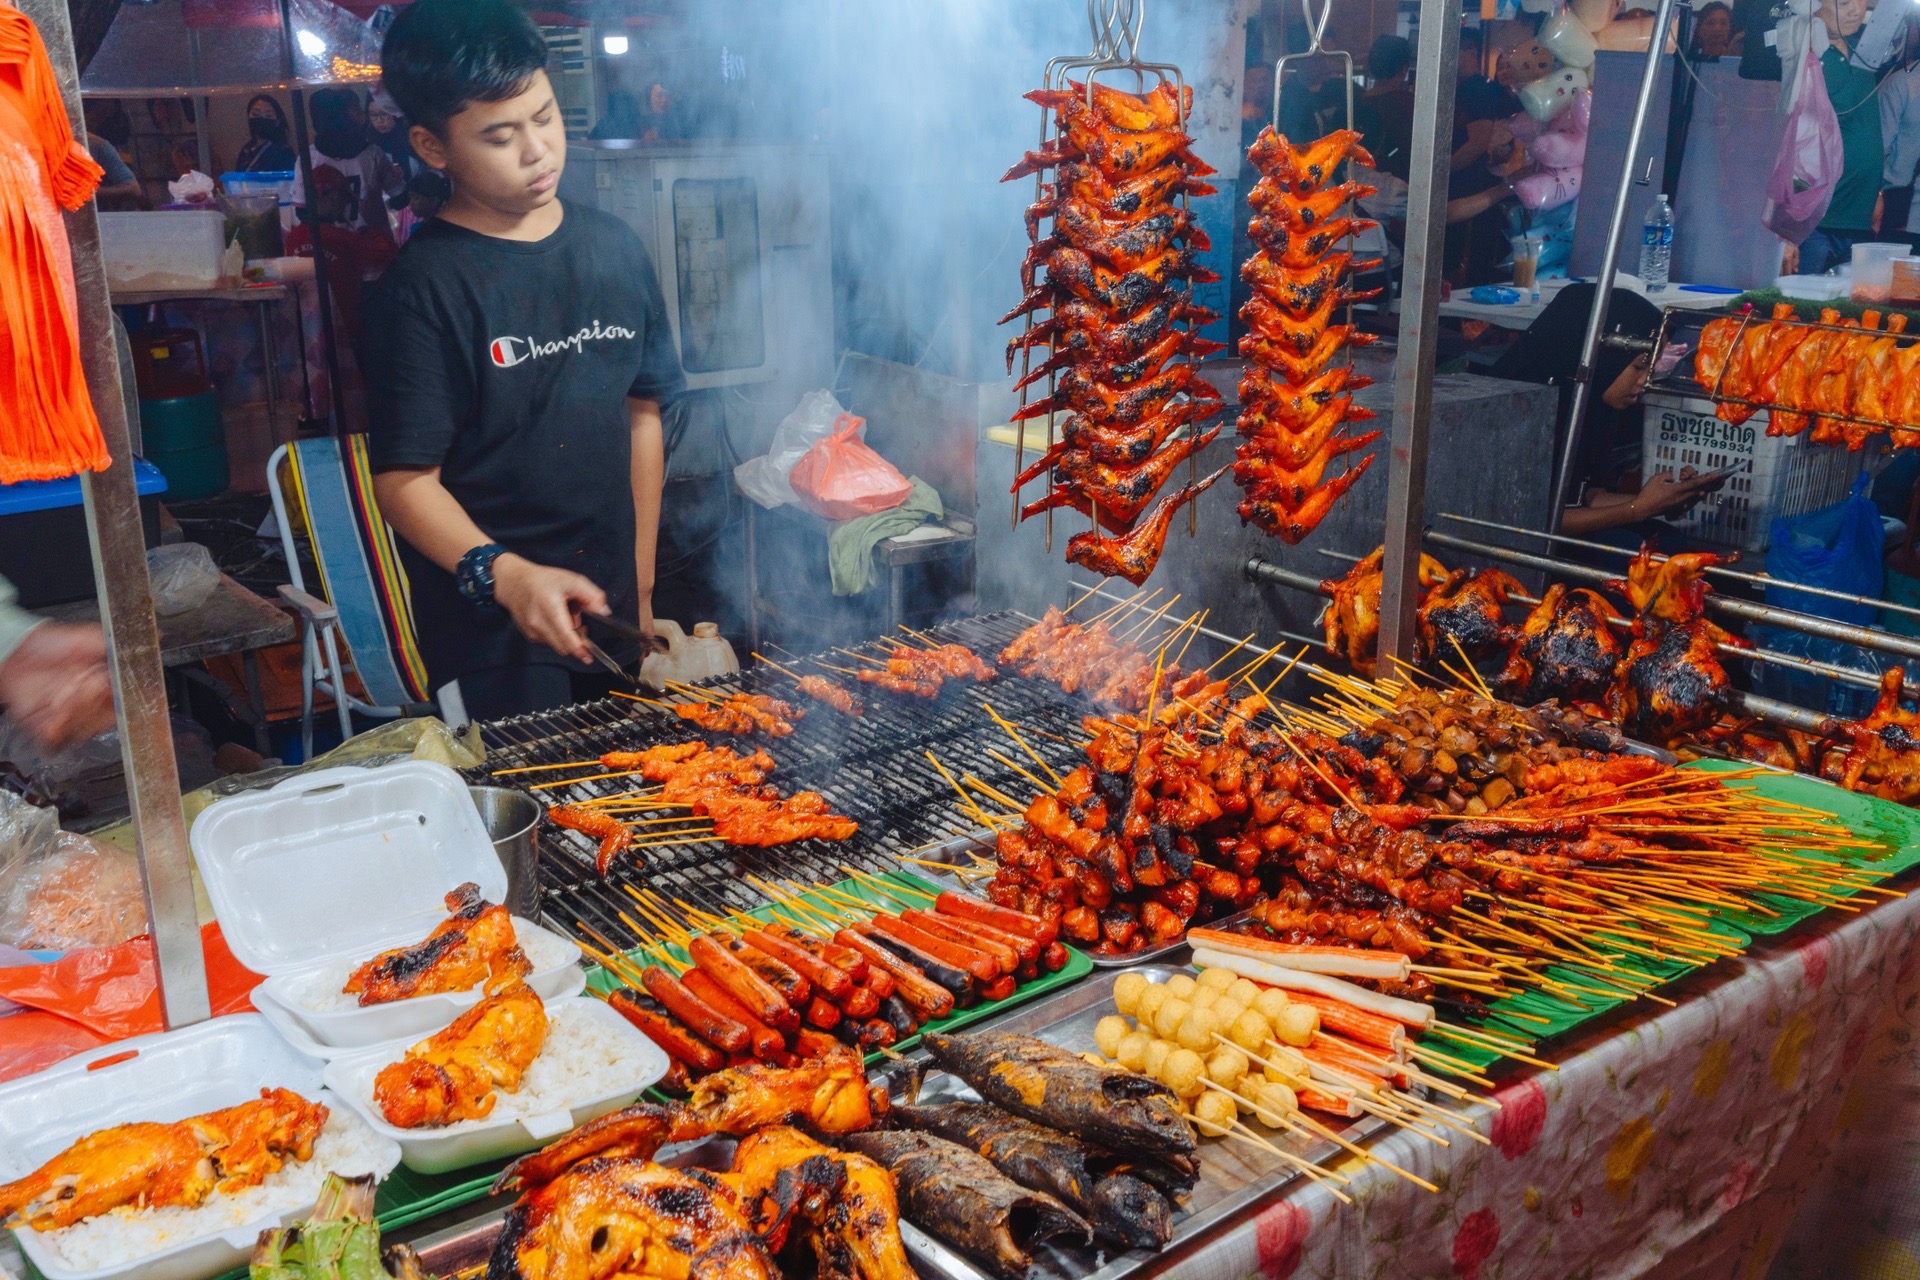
[518,359]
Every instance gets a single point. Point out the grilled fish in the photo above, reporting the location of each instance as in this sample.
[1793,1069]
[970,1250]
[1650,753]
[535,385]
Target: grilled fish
[965,1201]
[1122,1208]
[1050,1086]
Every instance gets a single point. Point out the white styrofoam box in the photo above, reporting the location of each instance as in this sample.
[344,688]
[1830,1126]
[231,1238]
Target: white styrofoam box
[471,1142]
[343,864]
[164,1077]
[341,1033]
[1782,476]
[163,249]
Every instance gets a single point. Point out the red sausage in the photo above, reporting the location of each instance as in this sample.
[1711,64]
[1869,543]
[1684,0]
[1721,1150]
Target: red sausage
[707,1022]
[676,1080]
[961,904]
[999,989]
[795,989]
[809,1043]
[828,980]
[878,980]
[973,961]
[743,984]
[766,1041]
[852,961]
[821,1014]
[657,1025]
[941,927]
[860,1003]
[928,999]
[1028,948]
[1054,958]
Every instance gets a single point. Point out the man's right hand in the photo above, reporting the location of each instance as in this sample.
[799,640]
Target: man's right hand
[546,603]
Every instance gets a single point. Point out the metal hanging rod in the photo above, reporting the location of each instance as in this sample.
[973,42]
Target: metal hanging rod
[1745,610]
[1761,708]
[1757,579]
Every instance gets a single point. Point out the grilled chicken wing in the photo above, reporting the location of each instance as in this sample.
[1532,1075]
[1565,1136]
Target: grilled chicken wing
[475,942]
[1292,524]
[841,1202]
[453,1075]
[1309,168]
[1133,555]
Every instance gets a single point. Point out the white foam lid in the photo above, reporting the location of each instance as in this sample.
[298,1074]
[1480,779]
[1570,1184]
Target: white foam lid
[341,862]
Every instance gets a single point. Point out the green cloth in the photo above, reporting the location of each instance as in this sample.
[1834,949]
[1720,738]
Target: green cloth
[15,622]
[1851,89]
[850,545]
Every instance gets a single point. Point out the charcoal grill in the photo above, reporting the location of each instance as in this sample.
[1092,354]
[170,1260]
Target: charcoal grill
[873,768]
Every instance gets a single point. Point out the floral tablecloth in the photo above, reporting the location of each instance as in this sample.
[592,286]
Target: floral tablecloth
[1766,1127]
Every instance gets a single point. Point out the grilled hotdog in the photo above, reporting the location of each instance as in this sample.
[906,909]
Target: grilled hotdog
[969,907]
[789,984]
[657,1025]
[766,1042]
[1004,956]
[744,985]
[701,1018]
[967,959]
[927,998]
[828,980]
[958,981]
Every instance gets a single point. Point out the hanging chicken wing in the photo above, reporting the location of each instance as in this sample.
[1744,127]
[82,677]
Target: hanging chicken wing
[1133,556]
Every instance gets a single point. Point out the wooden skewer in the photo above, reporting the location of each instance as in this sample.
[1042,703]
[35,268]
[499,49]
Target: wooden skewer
[545,768]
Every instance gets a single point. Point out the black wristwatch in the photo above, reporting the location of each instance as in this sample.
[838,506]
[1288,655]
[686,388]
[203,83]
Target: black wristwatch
[474,574]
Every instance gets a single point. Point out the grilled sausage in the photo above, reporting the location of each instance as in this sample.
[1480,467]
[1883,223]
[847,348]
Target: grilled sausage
[766,1041]
[852,961]
[705,1021]
[808,1043]
[972,908]
[927,999]
[743,984]
[941,927]
[1026,947]
[828,980]
[822,1014]
[957,981]
[657,1025]
[794,988]
[1054,958]
[968,959]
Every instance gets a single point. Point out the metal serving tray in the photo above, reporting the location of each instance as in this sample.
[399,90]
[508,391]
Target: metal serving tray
[955,853]
[1233,1174]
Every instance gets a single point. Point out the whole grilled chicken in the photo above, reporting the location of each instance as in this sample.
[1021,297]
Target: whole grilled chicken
[630,1218]
[474,943]
[1465,610]
[161,1165]
[1670,590]
[1352,616]
[1566,650]
[453,1075]
[1884,755]
[1671,683]
[853,1221]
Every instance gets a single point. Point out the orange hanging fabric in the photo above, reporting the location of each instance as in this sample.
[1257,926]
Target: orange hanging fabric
[47,425]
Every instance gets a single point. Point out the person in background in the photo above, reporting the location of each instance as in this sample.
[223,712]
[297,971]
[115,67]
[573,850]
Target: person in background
[661,119]
[1606,491]
[266,149]
[389,130]
[1900,137]
[53,676]
[1854,213]
[1384,112]
[1485,154]
[426,195]
[1713,32]
[119,189]
[519,359]
[343,144]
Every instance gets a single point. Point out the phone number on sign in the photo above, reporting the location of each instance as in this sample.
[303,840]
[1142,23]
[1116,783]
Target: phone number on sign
[1690,428]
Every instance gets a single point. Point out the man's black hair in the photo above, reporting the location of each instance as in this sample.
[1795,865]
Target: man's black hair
[442,56]
[1389,56]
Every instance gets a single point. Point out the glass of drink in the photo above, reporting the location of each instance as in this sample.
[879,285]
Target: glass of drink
[1526,262]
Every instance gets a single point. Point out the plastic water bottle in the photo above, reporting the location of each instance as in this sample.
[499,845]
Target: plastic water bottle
[1656,244]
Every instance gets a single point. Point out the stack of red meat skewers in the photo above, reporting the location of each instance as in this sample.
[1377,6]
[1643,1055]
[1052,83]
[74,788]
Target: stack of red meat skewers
[1120,330]
[1293,405]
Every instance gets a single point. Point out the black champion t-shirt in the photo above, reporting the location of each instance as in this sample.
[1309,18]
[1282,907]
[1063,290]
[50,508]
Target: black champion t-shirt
[508,364]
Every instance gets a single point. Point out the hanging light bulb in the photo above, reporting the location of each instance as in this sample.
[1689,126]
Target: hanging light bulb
[613,46]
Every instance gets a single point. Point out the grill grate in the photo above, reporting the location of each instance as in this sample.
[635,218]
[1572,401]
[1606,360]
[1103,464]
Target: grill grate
[872,768]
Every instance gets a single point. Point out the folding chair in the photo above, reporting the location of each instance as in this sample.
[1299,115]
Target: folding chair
[329,485]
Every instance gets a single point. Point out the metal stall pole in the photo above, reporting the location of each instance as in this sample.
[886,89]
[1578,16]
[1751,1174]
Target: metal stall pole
[1609,263]
[1433,93]
[126,597]
[323,296]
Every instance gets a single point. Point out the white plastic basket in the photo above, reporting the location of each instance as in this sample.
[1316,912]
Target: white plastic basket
[472,1141]
[163,249]
[164,1077]
[1782,475]
[343,864]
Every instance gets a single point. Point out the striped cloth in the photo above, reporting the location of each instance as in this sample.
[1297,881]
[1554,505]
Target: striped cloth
[331,485]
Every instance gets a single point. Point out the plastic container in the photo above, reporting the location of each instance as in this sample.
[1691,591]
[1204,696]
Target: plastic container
[340,865]
[688,659]
[253,221]
[277,183]
[1873,271]
[473,1141]
[164,1077]
[161,250]
[1906,281]
[43,535]
[1784,476]
[185,438]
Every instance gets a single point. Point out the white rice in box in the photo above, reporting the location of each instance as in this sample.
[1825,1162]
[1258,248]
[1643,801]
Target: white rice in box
[583,1058]
[323,992]
[346,1146]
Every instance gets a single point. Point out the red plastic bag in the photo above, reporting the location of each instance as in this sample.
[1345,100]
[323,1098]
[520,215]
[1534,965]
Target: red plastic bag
[112,991]
[840,478]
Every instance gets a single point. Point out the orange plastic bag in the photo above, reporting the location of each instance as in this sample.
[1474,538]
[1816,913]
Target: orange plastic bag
[112,991]
[840,478]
